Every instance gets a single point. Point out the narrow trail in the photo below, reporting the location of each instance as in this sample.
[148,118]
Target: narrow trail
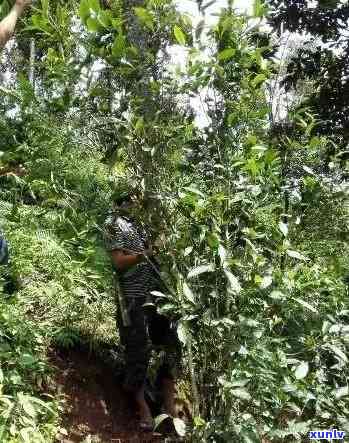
[96,407]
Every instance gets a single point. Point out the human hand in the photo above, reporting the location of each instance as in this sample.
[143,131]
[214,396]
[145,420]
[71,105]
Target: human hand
[149,252]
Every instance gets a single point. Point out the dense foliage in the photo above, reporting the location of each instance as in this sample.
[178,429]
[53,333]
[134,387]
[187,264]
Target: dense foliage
[249,215]
[321,59]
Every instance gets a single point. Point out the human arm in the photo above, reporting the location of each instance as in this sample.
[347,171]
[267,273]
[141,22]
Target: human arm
[8,24]
[124,259]
[117,241]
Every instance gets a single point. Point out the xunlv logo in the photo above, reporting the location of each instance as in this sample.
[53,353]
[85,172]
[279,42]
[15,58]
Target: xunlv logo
[333,434]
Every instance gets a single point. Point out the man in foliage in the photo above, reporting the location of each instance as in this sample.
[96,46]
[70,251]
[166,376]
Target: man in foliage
[8,24]
[3,250]
[139,322]
[8,282]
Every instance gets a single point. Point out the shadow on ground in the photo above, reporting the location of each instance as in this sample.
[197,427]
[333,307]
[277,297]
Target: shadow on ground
[96,408]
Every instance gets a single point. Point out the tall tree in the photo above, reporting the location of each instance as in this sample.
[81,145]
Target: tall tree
[323,58]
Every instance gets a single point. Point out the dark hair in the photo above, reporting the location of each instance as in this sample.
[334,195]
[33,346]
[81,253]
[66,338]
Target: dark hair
[125,196]
[119,200]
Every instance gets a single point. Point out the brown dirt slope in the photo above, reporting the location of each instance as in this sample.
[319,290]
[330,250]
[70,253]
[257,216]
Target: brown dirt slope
[96,408]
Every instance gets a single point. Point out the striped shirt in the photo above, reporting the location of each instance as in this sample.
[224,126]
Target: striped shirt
[126,234]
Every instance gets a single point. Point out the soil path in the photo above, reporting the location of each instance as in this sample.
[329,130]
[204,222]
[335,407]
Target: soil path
[97,410]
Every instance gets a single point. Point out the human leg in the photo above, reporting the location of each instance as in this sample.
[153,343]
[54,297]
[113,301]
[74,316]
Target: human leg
[163,333]
[134,339]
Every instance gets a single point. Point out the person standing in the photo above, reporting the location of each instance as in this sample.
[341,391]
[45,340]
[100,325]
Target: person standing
[8,283]
[4,255]
[8,24]
[140,325]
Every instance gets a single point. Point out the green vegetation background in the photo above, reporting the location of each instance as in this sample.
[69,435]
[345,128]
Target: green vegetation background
[249,214]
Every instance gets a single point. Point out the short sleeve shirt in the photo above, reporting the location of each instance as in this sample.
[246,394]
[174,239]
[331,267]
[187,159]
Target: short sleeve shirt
[125,234]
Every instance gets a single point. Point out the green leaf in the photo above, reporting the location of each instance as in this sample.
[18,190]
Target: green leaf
[27,360]
[179,34]
[222,252]
[266,281]
[325,327]
[45,7]
[250,436]
[253,166]
[240,382]
[27,405]
[25,434]
[105,19]
[301,370]
[186,20]
[194,190]
[117,24]
[159,294]
[94,5]
[182,333]
[277,295]
[145,17]
[232,119]
[297,427]
[159,419]
[4,10]
[297,255]
[118,49]
[198,421]
[166,308]
[259,8]
[226,54]
[339,353]
[188,293]
[179,426]
[12,429]
[305,304]
[92,25]
[225,383]
[187,251]
[341,392]
[283,228]
[260,78]
[227,322]
[233,281]
[226,25]
[139,126]
[213,240]
[241,393]
[308,170]
[149,304]
[200,270]
[42,404]
[40,24]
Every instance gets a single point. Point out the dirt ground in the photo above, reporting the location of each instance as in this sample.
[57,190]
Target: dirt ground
[97,409]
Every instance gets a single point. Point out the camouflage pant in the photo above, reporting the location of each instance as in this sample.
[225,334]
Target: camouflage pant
[148,329]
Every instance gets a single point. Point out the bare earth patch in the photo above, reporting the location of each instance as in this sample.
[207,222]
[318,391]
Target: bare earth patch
[97,409]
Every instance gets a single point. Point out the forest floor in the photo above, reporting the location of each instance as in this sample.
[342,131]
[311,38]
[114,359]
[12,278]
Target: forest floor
[96,408]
